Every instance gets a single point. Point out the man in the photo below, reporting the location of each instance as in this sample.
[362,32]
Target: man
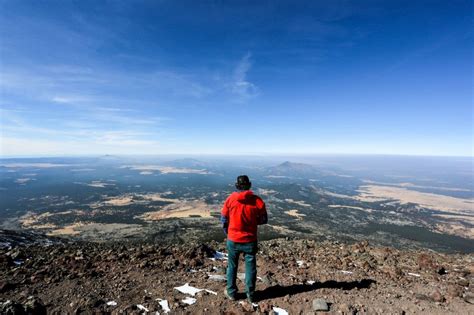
[241,213]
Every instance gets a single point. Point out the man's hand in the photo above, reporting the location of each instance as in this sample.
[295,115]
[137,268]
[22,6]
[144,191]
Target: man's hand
[225,224]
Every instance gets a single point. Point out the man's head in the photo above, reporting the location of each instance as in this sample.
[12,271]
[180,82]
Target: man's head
[243,183]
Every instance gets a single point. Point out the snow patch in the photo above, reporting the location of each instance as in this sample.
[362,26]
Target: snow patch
[279,311]
[164,305]
[187,289]
[189,300]
[142,308]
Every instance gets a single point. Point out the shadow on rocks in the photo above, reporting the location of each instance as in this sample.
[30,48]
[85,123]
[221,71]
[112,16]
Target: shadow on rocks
[277,291]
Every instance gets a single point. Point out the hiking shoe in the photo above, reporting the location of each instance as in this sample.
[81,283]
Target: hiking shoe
[227,295]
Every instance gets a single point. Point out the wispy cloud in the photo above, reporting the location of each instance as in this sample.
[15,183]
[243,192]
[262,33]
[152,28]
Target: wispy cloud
[20,136]
[67,99]
[17,146]
[98,132]
[63,84]
[240,85]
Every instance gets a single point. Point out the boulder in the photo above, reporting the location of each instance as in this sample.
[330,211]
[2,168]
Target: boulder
[11,308]
[34,306]
[426,263]
[6,286]
[454,291]
[320,305]
[469,298]
[437,296]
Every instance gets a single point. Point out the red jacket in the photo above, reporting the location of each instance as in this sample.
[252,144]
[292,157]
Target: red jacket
[241,213]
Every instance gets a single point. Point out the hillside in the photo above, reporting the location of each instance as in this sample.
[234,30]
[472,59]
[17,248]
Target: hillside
[85,278]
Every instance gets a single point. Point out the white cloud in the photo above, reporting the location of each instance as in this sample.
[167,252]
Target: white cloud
[75,85]
[107,144]
[240,85]
[66,99]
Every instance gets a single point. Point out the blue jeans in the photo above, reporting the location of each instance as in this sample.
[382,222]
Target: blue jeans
[249,250]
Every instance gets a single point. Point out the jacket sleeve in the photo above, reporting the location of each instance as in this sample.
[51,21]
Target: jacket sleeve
[225,216]
[262,217]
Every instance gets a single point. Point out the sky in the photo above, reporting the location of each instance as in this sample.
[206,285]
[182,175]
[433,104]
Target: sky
[236,77]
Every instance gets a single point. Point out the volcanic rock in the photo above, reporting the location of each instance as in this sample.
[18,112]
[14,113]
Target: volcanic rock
[130,273]
[437,296]
[469,298]
[34,306]
[320,305]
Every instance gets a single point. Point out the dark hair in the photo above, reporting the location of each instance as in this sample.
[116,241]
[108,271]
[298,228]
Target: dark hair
[243,183]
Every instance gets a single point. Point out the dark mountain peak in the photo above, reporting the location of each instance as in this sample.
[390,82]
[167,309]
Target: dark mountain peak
[288,168]
[293,164]
[286,164]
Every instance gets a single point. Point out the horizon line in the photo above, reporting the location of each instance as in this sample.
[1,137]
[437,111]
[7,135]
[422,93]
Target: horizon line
[231,155]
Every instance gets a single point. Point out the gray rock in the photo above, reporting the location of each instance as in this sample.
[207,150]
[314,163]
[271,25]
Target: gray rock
[34,306]
[320,305]
[469,298]
[11,308]
[218,278]
[345,308]
[437,296]
[267,280]
[220,270]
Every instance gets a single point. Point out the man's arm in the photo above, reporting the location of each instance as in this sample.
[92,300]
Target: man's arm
[225,216]
[262,217]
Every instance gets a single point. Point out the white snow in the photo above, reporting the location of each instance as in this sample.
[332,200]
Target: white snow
[300,263]
[187,289]
[216,277]
[311,282]
[112,303]
[164,305]
[414,274]
[279,311]
[142,308]
[346,272]
[189,300]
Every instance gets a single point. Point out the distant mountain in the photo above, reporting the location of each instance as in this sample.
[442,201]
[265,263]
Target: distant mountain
[108,157]
[292,169]
[187,163]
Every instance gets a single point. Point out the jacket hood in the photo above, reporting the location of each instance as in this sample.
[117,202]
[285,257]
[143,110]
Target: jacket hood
[242,195]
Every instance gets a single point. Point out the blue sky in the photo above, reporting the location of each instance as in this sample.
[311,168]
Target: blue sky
[236,77]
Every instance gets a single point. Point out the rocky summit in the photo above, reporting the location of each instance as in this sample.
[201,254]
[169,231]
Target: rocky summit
[294,276]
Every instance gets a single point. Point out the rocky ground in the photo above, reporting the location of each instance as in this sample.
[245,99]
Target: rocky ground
[299,276]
